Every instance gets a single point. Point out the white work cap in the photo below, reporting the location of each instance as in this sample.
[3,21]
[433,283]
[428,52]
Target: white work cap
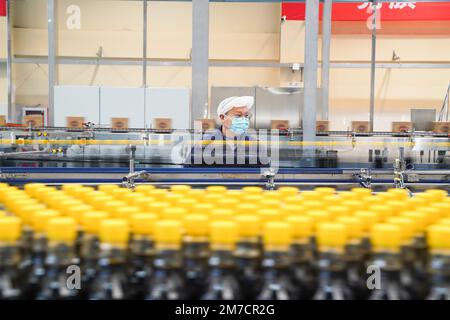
[235,102]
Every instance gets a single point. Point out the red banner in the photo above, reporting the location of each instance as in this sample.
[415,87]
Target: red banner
[2,8]
[361,11]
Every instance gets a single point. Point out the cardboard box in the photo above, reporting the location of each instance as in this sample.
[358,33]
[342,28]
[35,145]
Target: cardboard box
[279,124]
[75,122]
[401,126]
[322,125]
[119,123]
[34,120]
[2,120]
[205,124]
[360,126]
[162,123]
[441,127]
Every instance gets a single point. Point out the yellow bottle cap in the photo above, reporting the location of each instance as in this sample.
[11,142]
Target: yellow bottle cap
[183,189]
[444,208]
[100,201]
[144,188]
[228,203]
[438,194]
[428,197]
[270,204]
[159,194]
[15,206]
[387,196]
[78,211]
[384,211]
[272,195]
[203,208]
[301,226]
[41,218]
[362,192]
[331,235]
[386,237]
[353,205]
[319,216]
[292,210]
[312,205]
[120,193]
[223,233]
[142,203]
[174,213]
[311,195]
[348,195]
[416,202]
[216,189]
[252,190]
[173,198]
[288,191]
[325,191]
[125,212]
[252,198]
[221,214]
[277,234]
[187,203]
[353,225]
[373,200]
[130,198]
[196,225]
[337,211]
[332,200]
[27,212]
[293,200]
[368,218]
[168,232]
[143,224]
[235,195]
[114,231]
[249,225]
[157,208]
[444,221]
[269,215]
[398,205]
[246,208]
[63,229]
[420,220]
[212,198]
[407,226]
[401,194]
[433,214]
[10,229]
[107,188]
[91,221]
[438,237]
[197,194]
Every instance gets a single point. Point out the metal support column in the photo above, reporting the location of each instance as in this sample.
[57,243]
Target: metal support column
[372,65]
[52,53]
[144,44]
[310,78]
[200,56]
[326,39]
[9,26]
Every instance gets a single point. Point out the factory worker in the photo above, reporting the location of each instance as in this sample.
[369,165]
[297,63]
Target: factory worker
[234,116]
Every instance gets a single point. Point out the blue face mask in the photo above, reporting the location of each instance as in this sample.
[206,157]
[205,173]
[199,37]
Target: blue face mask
[239,125]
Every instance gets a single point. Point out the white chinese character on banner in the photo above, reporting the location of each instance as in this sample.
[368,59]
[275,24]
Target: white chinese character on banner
[369,6]
[401,5]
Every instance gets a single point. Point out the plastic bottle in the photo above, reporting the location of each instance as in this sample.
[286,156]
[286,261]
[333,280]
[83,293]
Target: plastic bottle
[167,281]
[331,241]
[278,279]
